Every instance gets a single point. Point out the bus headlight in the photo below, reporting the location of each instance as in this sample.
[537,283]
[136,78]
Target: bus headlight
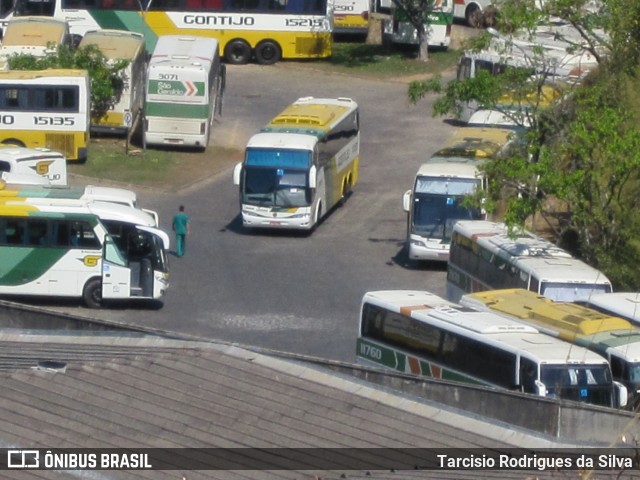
[418,243]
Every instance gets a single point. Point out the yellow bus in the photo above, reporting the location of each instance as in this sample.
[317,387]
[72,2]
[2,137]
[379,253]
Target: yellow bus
[264,30]
[33,35]
[302,164]
[615,338]
[46,109]
[121,45]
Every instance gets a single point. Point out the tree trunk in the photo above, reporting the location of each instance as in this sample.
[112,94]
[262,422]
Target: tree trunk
[423,45]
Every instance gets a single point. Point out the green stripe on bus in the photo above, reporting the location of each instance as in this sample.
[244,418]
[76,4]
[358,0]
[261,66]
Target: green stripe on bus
[175,88]
[155,109]
[125,20]
[20,265]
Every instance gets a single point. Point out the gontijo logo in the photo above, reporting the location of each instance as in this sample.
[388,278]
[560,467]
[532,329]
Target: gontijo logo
[91,260]
[42,168]
[23,459]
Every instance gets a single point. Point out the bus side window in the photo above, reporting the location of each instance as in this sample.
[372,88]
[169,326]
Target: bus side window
[5,166]
[37,233]
[528,375]
[14,231]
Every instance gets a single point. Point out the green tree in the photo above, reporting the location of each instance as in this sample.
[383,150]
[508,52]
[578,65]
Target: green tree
[417,13]
[107,78]
[577,165]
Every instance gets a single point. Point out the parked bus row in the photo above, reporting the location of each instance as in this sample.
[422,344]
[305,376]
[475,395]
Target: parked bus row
[420,333]
[179,95]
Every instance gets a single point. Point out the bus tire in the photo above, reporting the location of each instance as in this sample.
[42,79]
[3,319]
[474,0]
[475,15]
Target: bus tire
[237,52]
[13,142]
[268,52]
[346,192]
[473,16]
[92,293]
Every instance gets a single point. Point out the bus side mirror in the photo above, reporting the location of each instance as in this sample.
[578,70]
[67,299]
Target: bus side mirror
[622,395]
[406,201]
[237,171]
[541,389]
[313,176]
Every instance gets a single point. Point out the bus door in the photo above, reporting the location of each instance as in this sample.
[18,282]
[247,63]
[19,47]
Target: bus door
[116,274]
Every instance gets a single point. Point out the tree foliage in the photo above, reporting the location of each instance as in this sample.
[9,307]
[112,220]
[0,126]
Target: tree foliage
[577,167]
[417,13]
[107,78]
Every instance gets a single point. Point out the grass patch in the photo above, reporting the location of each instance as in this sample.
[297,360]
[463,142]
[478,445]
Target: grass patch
[108,160]
[378,61]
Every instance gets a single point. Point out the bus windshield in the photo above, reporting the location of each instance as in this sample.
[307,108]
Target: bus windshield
[591,383]
[435,215]
[279,187]
[572,292]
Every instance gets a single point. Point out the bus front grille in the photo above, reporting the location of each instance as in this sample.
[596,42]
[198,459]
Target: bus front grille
[61,143]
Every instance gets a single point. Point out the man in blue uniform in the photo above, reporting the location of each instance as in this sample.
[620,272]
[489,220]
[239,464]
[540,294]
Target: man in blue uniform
[181,227]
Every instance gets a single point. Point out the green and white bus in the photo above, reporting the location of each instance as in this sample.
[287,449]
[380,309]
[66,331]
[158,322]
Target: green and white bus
[185,82]
[422,334]
[302,164]
[439,23]
[93,251]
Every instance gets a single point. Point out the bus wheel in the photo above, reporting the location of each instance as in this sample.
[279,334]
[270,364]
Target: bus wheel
[14,143]
[92,293]
[474,17]
[346,191]
[237,52]
[268,52]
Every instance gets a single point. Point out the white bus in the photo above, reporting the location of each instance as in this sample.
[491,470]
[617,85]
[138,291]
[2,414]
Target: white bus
[67,251]
[418,333]
[484,256]
[121,45]
[46,109]
[302,164]
[62,193]
[351,16]
[37,164]
[436,202]
[37,36]
[622,304]
[613,337]
[185,82]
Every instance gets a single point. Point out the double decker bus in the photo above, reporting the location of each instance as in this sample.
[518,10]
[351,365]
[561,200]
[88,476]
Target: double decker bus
[118,45]
[185,82]
[420,333]
[46,109]
[66,250]
[613,337]
[486,256]
[302,164]
[436,201]
[264,30]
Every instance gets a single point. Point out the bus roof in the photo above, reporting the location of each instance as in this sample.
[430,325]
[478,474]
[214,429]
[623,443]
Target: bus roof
[497,119]
[476,142]
[187,48]
[115,44]
[311,116]
[405,301]
[567,318]
[13,75]
[24,154]
[88,192]
[104,210]
[293,141]
[625,304]
[449,169]
[506,333]
[34,31]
